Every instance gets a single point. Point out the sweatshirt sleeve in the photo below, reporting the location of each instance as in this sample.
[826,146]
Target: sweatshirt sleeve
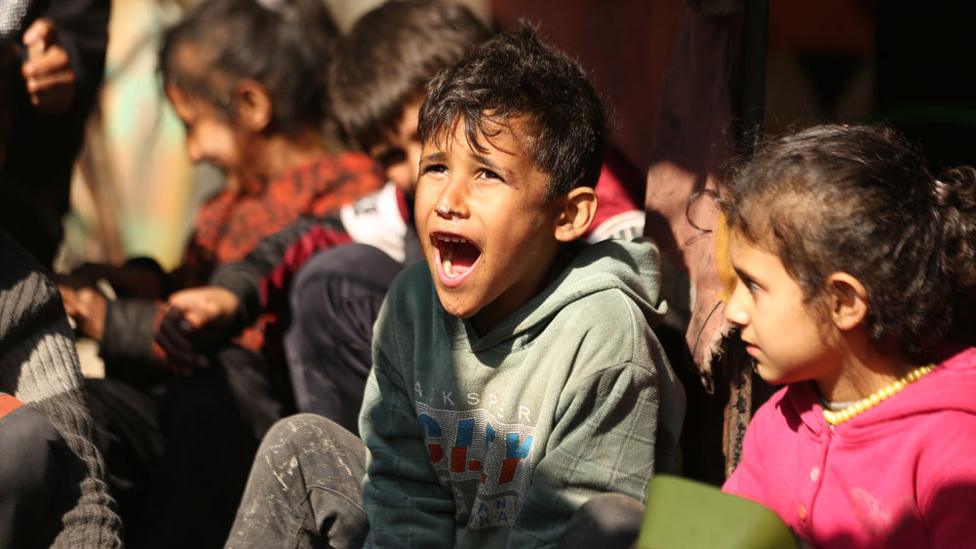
[602,443]
[405,503]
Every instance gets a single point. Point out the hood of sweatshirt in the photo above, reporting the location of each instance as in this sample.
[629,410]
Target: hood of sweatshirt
[949,387]
[630,267]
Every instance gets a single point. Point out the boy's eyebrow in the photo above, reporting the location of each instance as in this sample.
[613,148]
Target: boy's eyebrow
[438,156]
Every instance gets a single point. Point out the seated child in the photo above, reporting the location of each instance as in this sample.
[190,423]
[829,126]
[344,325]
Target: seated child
[852,263]
[248,79]
[333,296]
[515,372]
[254,107]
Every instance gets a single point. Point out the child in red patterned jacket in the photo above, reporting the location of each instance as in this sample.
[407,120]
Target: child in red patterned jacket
[248,79]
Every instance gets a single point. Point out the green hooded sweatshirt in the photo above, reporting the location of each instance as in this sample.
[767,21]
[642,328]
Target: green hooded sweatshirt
[494,440]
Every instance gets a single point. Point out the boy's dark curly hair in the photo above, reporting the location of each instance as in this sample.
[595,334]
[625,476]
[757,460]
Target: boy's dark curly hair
[859,199]
[285,45]
[515,78]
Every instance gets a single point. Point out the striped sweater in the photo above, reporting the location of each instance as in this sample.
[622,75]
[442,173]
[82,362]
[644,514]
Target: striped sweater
[39,366]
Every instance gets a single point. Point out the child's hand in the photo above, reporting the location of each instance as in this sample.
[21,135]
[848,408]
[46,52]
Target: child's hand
[86,306]
[208,307]
[51,82]
[175,338]
[194,314]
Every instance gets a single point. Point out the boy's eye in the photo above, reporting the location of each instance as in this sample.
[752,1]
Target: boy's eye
[433,168]
[485,173]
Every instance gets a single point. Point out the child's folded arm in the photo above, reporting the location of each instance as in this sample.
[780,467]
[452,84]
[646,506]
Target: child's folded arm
[262,279]
[405,503]
[602,443]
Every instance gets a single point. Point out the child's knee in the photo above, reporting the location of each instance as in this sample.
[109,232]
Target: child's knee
[300,430]
[29,473]
[333,277]
[315,448]
[607,521]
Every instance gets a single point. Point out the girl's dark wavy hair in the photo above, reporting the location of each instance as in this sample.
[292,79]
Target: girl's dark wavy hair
[285,45]
[860,199]
[514,76]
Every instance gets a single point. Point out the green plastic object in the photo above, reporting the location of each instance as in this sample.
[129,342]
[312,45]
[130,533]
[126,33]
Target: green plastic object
[682,513]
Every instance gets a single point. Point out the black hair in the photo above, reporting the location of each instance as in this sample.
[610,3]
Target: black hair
[388,57]
[860,199]
[284,45]
[515,77]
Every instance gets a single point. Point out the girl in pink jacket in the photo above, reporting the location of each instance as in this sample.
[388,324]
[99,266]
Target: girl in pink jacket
[855,268]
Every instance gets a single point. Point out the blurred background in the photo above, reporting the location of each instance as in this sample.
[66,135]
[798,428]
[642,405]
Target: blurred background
[134,191]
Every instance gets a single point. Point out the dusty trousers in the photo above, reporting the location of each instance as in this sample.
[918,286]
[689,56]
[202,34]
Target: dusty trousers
[305,488]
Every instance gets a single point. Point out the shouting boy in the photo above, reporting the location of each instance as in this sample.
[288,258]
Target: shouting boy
[329,276]
[515,372]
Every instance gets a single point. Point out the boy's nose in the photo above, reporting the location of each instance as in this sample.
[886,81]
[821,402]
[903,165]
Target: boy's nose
[453,200]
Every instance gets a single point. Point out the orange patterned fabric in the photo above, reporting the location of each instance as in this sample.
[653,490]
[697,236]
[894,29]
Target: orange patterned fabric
[232,223]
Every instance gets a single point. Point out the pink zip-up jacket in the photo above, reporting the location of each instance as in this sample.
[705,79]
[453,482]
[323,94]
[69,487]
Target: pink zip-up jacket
[901,474]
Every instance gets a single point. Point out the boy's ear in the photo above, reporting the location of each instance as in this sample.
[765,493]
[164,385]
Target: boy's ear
[576,216]
[253,105]
[848,301]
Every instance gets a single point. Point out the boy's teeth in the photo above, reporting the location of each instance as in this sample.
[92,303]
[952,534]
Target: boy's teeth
[448,268]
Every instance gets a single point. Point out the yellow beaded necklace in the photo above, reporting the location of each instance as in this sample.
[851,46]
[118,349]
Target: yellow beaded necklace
[855,409]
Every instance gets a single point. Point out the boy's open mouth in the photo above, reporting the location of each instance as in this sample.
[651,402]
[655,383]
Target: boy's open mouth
[455,254]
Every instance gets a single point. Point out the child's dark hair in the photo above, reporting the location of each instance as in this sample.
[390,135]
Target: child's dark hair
[512,76]
[284,45]
[388,57]
[859,199]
